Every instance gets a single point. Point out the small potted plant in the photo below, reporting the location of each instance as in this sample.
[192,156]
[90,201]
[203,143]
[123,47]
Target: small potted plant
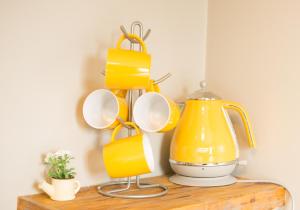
[64,186]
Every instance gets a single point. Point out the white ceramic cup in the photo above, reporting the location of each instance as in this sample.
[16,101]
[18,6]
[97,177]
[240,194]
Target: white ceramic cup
[102,108]
[153,112]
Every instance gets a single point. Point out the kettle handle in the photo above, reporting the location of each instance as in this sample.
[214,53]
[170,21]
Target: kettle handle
[245,118]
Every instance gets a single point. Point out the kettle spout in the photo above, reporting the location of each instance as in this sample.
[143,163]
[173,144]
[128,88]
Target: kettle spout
[47,188]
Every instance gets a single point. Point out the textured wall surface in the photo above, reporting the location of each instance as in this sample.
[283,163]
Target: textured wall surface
[51,55]
[253,50]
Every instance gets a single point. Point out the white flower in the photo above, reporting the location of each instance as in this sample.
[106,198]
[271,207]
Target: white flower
[62,153]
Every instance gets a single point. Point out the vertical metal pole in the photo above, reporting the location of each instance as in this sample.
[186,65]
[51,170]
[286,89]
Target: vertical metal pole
[130,104]
[140,34]
[130,92]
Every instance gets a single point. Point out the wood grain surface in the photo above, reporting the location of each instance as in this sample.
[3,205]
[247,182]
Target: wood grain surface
[240,196]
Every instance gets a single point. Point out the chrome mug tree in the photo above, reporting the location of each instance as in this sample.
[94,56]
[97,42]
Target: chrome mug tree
[122,187]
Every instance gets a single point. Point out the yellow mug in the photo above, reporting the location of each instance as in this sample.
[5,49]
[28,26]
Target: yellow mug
[130,156]
[154,112]
[128,69]
[102,108]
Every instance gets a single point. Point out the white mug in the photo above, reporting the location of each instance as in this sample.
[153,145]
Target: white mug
[102,108]
[154,112]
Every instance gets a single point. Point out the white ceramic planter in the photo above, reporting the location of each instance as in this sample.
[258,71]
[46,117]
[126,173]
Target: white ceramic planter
[61,189]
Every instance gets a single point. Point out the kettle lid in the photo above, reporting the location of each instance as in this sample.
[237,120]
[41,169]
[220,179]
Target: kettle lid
[202,94]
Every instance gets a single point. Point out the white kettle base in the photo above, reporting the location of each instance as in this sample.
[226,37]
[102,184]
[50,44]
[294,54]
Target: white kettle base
[203,182]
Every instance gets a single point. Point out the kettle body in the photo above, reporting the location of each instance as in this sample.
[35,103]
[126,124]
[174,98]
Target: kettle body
[204,149]
[205,135]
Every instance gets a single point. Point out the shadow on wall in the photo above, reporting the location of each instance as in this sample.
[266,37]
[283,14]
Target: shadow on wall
[245,153]
[43,175]
[91,74]
[167,138]
[94,160]
[92,80]
[165,153]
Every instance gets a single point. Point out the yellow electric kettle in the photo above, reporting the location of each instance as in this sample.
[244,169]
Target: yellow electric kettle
[204,149]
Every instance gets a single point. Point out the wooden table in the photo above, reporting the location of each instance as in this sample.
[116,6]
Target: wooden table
[240,196]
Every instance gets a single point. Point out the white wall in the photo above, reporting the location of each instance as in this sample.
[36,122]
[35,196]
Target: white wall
[51,54]
[253,50]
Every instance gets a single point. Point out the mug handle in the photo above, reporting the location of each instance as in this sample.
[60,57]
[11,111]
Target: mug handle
[153,87]
[77,186]
[132,36]
[117,129]
[120,93]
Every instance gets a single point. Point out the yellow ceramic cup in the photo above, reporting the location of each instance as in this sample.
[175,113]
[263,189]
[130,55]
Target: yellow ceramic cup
[127,69]
[154,112]
[102,108]
[130,156]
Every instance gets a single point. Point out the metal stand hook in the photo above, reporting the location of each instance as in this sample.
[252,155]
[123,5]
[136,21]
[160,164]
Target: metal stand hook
[123,123]
[133,40]
[163,78]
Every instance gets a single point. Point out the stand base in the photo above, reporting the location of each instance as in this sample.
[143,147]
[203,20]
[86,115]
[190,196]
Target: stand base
[117,192]
[203,182]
